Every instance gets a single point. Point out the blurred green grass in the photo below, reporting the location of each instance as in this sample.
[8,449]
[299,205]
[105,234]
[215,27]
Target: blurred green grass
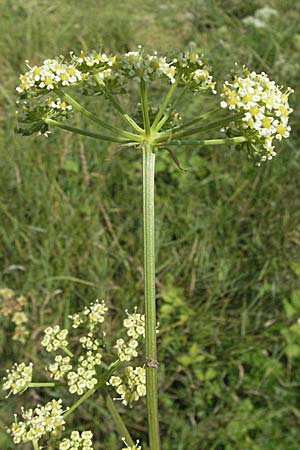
[227,232]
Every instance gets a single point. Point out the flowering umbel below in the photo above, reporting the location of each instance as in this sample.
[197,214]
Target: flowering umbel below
[81,372]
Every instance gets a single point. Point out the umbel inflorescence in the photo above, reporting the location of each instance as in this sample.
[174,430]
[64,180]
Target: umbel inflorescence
[257,110]
[81,371]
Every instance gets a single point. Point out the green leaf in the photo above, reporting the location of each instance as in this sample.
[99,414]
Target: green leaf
[70,166]
[200,374]
[295,268]
[194,350]
[185,360]
[210,374]
[289,309]
[293,350]
[295,299]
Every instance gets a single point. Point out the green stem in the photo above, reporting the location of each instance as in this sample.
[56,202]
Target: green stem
[122,429]
[164,104]
[55,123]
[211,126]
[34,385]
[67,352]
[117,106]
[150,304]
[171,109]
[35,444]
[95,119]
[80,401]
[145,112]
[233,140]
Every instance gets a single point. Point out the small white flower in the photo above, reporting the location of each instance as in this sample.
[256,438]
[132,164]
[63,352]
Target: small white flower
[92,315]
[55,338]
[60,367]
[131,385]
[78,441]
[38,422]
[18,378]
[85,377]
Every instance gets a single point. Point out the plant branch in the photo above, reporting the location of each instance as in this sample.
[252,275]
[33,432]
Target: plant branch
[164,104]
[123,431]
[102,137]
[171,109]
[193,121]
[117,106]
[35,385]
[95,119]
[233,140]
[80,401]
[217,124]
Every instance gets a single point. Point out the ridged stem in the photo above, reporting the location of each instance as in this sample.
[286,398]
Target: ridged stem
[150,302]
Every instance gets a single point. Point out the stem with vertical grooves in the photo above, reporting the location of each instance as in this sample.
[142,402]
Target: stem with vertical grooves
[150,305]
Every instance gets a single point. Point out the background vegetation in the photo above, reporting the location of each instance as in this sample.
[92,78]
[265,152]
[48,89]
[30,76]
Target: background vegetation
[228,233]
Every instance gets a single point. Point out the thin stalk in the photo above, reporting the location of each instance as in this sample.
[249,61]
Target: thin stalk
[95,119]
[211,126]
[233,140]
[145,111]
[117,106]
[35,444]
[34,385]
[193,121]
[164,104]
[68,352]
[122,429]
[150,304]
[171,109]
[80,401]
[103,137]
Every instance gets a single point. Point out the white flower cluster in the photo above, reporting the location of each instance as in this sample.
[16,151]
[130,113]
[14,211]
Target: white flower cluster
[60,367]
[52,74]
[40,85]
[77,441]
[55,338]
[89,342]
[193,70]
[137,66]
[91,316]
[86,376]
[265,110]
[135,328]
[38,422]
[131,385]
[86,61]
[18,378]
[32,113]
